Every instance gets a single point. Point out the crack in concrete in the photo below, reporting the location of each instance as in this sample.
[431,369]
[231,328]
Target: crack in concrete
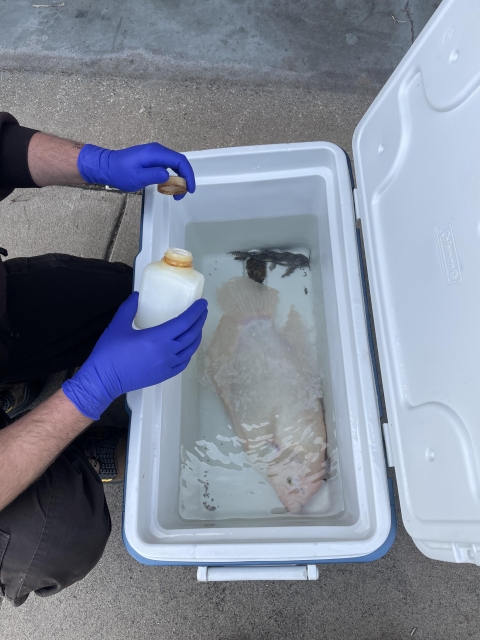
[116,229]
[99,187]
[406,9]
[116,35]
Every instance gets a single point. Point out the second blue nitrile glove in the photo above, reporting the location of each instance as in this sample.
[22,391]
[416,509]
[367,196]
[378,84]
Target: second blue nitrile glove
[133,168]
[125,359]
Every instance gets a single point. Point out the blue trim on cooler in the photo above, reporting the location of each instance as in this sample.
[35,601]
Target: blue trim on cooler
[363,268]
[376,375]
[371,557]
[350,169]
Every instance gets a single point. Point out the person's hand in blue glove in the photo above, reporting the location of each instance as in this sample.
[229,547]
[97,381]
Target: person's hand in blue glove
[133,168]
[125,359]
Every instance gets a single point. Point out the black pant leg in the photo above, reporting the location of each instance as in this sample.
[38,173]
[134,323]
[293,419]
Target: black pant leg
[55,532]
[57,308]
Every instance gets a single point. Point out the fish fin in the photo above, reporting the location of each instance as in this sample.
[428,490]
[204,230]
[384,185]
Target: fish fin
[219,353]
[241,298]
[294,332]
[224,342]
[289,271]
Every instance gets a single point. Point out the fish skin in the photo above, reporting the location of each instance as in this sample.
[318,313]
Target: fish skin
[288,259]
[267,384]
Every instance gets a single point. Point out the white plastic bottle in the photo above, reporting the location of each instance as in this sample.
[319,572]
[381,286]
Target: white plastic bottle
[168,288]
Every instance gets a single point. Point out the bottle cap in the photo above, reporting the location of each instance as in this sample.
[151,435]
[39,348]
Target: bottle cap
[174,186]
[178,258]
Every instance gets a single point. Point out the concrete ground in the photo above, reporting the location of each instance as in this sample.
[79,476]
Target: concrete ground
[285,39]
[199,75]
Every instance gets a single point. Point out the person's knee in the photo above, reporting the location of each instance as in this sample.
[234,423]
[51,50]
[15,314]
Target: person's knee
[56,530]
[79,521]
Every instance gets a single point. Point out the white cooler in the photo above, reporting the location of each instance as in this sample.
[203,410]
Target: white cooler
[402,312]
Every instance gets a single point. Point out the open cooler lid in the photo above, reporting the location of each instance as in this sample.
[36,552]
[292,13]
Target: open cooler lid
[417,162]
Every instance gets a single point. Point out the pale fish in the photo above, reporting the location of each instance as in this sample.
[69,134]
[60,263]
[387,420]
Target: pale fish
[269,388]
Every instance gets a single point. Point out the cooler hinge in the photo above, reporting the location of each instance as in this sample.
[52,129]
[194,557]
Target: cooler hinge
[356,204]
[388,444]
[370,323]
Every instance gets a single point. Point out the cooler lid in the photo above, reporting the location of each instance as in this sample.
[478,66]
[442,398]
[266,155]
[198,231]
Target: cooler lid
[417,161]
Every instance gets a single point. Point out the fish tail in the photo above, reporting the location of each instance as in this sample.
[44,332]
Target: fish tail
[243,298]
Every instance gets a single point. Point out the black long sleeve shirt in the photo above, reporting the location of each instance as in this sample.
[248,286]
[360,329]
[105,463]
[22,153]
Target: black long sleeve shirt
[14,172]
[14,141]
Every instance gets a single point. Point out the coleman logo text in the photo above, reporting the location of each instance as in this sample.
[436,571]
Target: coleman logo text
[448,254]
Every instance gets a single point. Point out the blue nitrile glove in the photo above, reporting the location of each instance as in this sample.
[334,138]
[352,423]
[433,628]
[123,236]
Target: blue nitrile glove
[125,359]
[133,168]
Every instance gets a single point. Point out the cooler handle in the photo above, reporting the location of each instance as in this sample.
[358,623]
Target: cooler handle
[274,572]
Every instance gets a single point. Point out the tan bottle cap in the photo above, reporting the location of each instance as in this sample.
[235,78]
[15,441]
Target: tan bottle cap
[178,258]
[174,186]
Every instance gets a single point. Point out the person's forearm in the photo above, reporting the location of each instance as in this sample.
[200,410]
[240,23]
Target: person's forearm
[53,161]
[30,158]
[30,445]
